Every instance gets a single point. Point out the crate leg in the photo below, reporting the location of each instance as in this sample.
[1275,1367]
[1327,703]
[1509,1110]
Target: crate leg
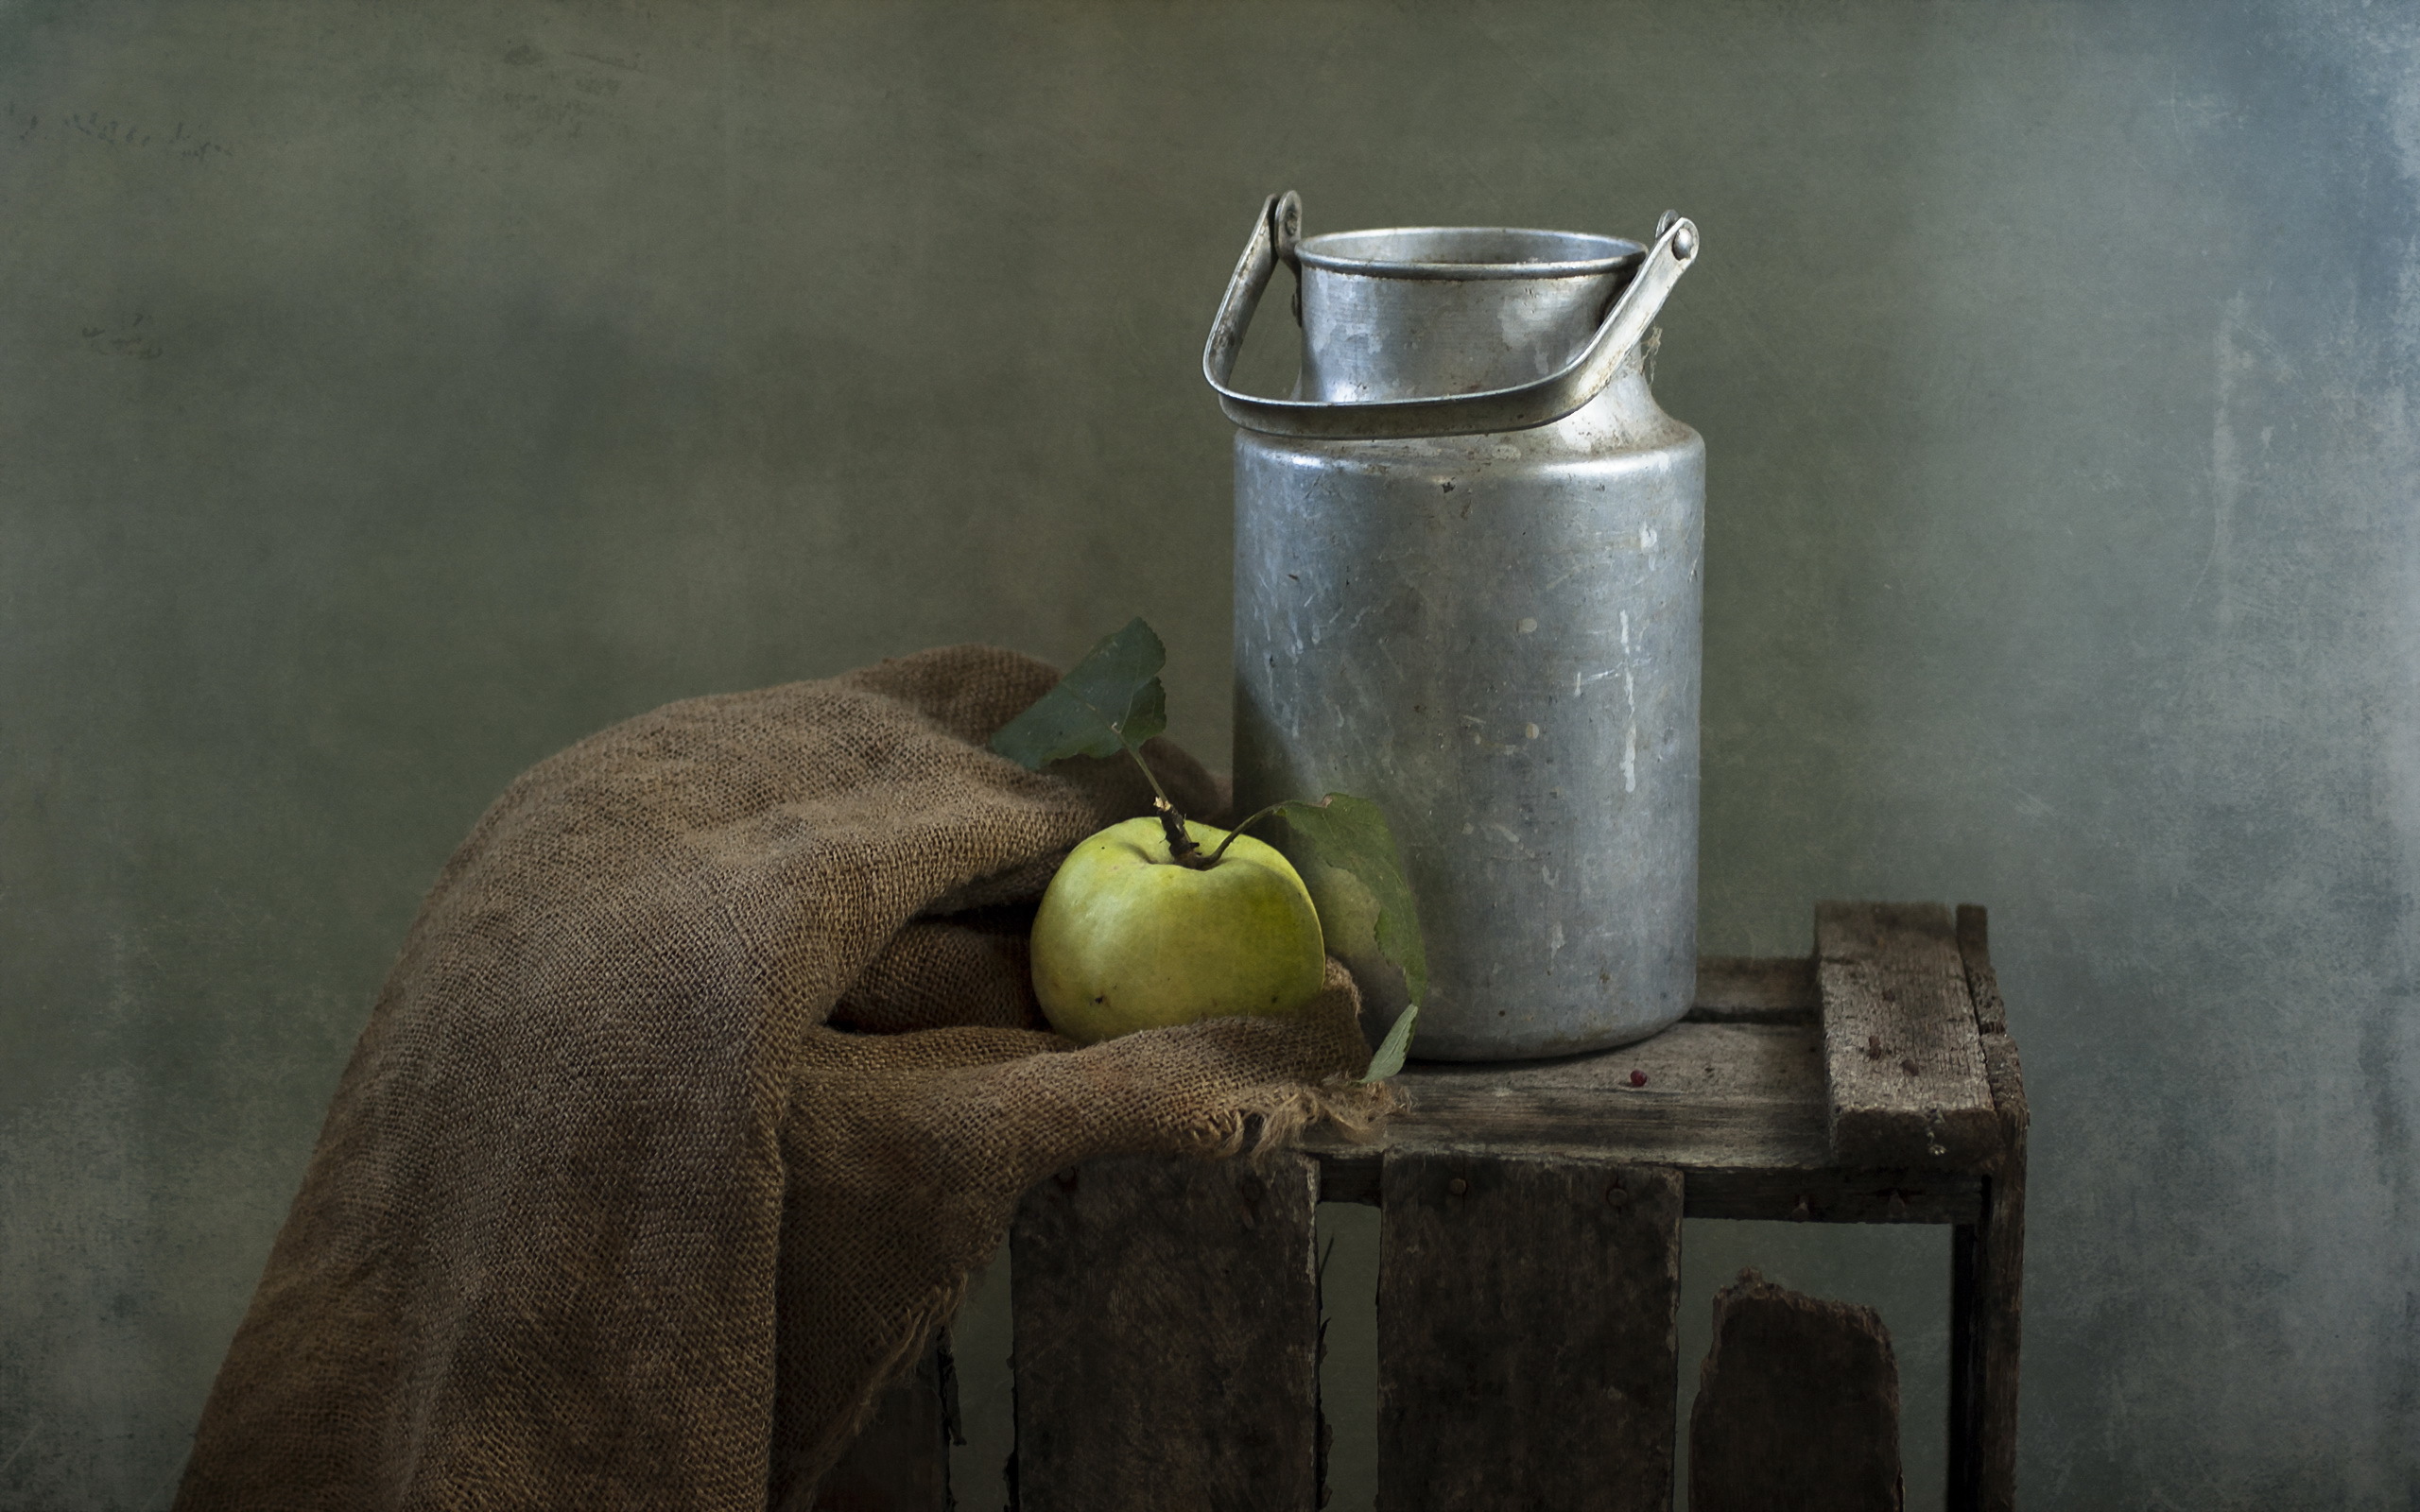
[1987,1265]
[1985,1260]
[1166,1315]
[1526,1333]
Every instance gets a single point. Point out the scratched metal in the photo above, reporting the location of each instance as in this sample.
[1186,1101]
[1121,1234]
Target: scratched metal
[1493,636]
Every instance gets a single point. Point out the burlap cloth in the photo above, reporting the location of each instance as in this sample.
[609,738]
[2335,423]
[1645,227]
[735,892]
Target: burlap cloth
[703,1083]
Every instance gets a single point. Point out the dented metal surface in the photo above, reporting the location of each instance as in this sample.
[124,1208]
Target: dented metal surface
[1493,635]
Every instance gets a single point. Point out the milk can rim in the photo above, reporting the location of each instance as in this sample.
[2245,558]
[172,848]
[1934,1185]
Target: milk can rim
[1326,252]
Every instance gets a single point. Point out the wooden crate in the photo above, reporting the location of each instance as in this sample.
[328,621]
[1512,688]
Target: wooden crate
[1167,1312]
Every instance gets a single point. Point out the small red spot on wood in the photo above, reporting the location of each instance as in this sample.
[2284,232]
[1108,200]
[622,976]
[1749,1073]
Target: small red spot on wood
[1638,1078]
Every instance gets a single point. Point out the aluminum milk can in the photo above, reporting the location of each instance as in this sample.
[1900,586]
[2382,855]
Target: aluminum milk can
[1468,572]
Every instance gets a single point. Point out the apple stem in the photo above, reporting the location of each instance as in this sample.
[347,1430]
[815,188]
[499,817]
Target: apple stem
[1181,847]
[1238,829]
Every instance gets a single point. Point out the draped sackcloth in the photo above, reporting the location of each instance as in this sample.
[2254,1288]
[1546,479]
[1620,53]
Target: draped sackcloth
[705,1079]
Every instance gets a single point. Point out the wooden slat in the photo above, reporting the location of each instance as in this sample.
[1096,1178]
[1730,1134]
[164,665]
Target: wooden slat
[1975,956]
[1797,1407]
[900,1461]
[1738,1095]
[1865,1195]
[1868,1195]
[1740,1106]
[1526,1353]
[1714,1095]
[1755,990]
[1988,1267]
[1166,1318]
[1903,1057]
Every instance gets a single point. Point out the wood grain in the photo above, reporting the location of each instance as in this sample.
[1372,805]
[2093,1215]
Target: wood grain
[1526,1333]
[1755,990]
[1905,1063]
[1865,1195]
[1797,1407]
[1714,1095]
[1739,1106]
[1796,1195]
[1987,1260]
[1166,1318]
[1974,955]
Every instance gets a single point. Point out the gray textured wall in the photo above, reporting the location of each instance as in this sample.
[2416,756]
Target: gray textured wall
[389,395]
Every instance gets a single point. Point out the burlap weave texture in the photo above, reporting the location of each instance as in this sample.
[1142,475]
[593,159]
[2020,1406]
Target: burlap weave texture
[702,1082]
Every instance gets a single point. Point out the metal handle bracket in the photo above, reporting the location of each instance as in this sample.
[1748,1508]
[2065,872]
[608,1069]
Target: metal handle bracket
[1540,402]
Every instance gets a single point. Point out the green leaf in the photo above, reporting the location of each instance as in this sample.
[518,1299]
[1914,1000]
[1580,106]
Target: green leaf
[1112,700]
[1388,1059]
[1349,835]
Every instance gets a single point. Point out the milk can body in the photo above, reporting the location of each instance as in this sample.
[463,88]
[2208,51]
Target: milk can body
[1494,634]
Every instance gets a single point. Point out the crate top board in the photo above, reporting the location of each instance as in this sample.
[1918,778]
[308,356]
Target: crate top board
[1871,1082]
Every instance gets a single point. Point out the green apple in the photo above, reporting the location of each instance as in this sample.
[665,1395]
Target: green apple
[1127,937]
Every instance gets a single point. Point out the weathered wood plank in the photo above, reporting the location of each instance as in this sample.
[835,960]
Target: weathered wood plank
[1724,1062]
[1708,1095]
[1904,1059]
[1668,1127]
[1797,1407]
[1740,1098]
[1974,955]
[1355,1174]
[900,1461]
[1866,1195]
[1755,990]
[1526,1353]
[1988,1267]
[1166,1326]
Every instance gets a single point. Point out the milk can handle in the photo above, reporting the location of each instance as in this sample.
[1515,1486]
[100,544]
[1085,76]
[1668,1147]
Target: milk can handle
[1540,402]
